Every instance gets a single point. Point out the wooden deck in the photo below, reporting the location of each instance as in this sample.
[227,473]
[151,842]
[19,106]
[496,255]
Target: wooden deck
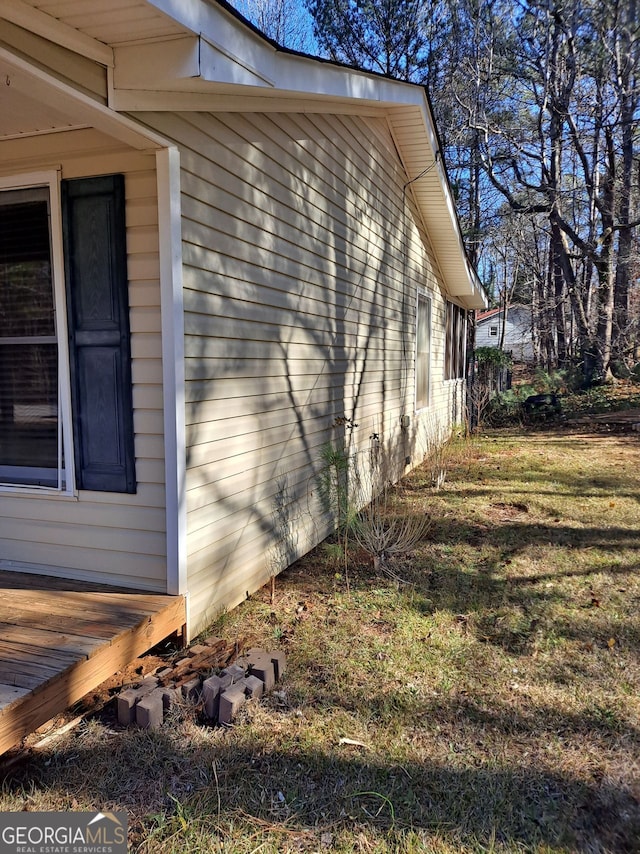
[60,639]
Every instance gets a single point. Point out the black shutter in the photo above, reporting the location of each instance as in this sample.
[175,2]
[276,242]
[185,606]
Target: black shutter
[99,339]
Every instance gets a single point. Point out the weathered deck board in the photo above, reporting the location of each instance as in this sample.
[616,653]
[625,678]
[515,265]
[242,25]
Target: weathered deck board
[21,631]
[9,693]
[60,639]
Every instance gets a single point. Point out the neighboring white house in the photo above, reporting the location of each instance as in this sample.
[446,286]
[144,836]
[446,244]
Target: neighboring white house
[212,253]
[518,338]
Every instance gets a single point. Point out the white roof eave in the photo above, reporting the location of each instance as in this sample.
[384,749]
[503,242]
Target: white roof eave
[212,60]
[225,64]
[193,73]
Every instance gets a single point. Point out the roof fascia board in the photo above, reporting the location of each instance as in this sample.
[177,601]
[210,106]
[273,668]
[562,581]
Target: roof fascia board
[213,56]
[155,65]
[169,65]
[279,67]
[38,22]
[219,27]
[69,100]
[139,100]
[476,301]
[176,62]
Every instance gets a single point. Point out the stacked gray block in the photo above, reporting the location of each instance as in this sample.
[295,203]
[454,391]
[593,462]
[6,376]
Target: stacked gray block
[211,690]
[231,702]
[251,676]
[150,710]
[264,665]
[127,700]
[254,687]
[191,689]
[215,686]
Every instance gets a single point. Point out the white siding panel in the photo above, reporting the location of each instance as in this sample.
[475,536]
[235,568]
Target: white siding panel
[145,345]
[98,537]
[107,537]
[302,261]
[127,568]
[87,514]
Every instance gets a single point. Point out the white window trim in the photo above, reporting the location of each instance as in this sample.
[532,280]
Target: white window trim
[51,180]
[172,312]
[426,295]
[462,378]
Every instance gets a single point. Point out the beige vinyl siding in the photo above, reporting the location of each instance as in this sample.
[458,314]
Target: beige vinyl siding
[108,537]
[302,261]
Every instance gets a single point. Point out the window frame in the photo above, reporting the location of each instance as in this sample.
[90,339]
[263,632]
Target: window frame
[419,356]
[456,326]
[50,180]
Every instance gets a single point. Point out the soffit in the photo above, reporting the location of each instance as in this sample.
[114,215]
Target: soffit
[418,147]
[32,102]
[23,115]
[110,23]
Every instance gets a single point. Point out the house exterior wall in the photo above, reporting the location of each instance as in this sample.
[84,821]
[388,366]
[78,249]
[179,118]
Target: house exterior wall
[105,537]
[517,334]
[302,263]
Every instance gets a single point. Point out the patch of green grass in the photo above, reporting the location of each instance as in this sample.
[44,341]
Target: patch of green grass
[490,704]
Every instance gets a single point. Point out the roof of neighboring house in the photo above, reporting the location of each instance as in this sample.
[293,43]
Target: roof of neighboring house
[485,315]
[481,316]
[174,55]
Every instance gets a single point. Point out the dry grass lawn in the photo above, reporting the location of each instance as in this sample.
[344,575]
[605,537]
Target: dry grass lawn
[491,704]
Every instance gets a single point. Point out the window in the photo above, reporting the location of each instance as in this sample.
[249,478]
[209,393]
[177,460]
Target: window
[33,404]
[455,343]
[423,350]
[66,415]
[493,331]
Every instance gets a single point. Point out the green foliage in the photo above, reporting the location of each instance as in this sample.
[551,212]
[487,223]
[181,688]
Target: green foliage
[334,480]
[388,38]
[505,408]
[619,370]
[492,356]
[357,493]
[550,383]
[562,381]
[333,483]
[334,553]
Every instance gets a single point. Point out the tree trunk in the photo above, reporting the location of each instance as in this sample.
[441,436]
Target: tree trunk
[627,60]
